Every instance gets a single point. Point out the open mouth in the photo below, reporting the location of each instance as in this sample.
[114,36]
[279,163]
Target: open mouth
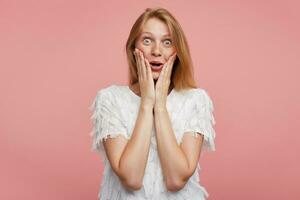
[156,66]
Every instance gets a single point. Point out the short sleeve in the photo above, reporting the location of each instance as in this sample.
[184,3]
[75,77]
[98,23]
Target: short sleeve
[200,119]
[107,121]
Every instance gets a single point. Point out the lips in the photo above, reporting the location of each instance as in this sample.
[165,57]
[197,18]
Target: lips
[156,65]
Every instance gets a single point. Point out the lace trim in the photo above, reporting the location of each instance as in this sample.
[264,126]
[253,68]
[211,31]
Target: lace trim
[106,122]
[202,121]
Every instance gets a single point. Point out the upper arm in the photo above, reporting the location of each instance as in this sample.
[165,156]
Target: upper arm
[109,131]
[114,147]
[198,130]
[191,146]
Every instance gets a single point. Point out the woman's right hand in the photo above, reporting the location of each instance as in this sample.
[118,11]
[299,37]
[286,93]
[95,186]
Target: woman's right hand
[146,82]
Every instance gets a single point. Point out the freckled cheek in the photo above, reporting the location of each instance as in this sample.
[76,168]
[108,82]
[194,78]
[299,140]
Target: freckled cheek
[167,56]
[146,50]
[167,53]
[140,47]
[147,53]
[143,49]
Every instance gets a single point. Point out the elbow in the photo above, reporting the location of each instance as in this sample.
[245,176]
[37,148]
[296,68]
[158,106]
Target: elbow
[130,180]
[132,184]
[175,185]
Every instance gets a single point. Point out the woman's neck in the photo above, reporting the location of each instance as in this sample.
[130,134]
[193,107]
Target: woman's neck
[136,88]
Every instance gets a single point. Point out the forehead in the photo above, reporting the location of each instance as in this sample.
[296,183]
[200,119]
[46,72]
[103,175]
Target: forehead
[155,27]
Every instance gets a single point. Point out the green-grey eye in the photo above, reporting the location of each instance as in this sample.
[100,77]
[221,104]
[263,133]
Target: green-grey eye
[146,39]
[169,42]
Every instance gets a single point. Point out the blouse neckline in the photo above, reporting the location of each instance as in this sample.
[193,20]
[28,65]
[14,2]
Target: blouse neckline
[139,98]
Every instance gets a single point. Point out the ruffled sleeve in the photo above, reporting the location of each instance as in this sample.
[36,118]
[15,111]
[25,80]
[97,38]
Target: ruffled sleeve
[200,119]
[107,121]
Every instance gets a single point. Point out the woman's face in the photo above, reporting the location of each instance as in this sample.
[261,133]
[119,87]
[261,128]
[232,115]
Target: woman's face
[156,43]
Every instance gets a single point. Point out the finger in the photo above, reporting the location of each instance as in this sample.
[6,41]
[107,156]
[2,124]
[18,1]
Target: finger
[160,77]
[163,71]
[143,66]
[164,74]
[136,59]
[170,65]
[149,74]
[138,63]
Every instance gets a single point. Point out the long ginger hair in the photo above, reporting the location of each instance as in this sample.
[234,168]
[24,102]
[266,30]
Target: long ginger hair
[182,73]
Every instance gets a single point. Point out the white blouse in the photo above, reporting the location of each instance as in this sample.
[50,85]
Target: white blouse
[115,109]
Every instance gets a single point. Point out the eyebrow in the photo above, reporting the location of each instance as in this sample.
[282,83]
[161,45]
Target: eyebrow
[152,34]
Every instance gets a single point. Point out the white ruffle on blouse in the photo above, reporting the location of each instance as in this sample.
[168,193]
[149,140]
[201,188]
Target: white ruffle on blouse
[115,109]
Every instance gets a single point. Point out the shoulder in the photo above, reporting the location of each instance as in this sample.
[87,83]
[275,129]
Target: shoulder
[110,91]
[112,94]
[197,93]
[103,94]
[199,96]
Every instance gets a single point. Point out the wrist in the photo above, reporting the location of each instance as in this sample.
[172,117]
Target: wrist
[146,106]
[159,108]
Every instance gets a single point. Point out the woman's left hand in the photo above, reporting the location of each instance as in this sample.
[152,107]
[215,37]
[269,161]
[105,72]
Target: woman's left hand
[163,83]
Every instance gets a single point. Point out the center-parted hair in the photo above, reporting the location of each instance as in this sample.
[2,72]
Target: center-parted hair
[182,74]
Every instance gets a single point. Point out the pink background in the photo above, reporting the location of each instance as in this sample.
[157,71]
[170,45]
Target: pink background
[55,55]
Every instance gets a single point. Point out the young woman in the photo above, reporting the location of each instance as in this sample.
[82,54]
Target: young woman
[150,133]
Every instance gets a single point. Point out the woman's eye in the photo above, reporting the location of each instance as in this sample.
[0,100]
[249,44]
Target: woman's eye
[168,42]
[146,40]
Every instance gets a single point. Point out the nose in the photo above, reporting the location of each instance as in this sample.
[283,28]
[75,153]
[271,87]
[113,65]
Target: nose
[155,51]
